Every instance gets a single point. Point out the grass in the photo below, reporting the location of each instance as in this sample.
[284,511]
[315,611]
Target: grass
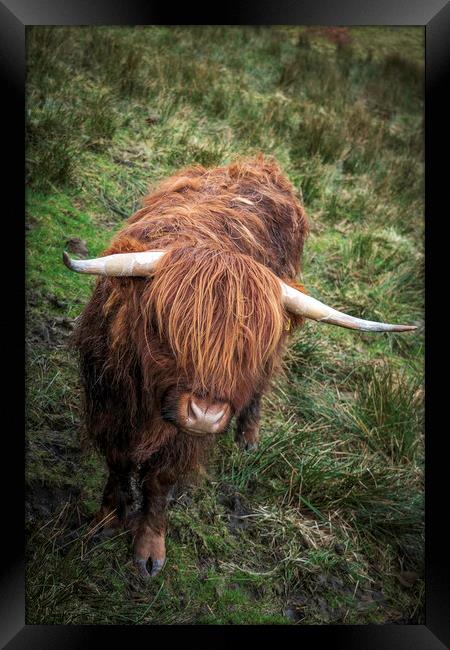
[324,523]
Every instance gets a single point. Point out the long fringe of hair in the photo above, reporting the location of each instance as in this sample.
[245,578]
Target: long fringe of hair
[220,312]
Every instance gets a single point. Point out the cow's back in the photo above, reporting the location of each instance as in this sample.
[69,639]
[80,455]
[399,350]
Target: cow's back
[248,206]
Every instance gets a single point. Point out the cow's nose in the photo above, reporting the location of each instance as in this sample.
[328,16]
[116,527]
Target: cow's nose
[204,416]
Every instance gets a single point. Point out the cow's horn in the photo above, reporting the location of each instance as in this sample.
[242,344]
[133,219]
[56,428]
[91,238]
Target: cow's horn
[142,263]
[299,303]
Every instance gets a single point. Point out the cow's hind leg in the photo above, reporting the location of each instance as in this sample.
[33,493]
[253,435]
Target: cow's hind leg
[247,425]
[117,496]
[149,528]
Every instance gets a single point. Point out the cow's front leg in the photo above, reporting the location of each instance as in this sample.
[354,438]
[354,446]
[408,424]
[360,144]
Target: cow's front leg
[247,425]
[149,527]
[117,493]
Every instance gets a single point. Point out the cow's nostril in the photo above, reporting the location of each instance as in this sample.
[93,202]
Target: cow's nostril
[204,415]
[197,412]
[190,410]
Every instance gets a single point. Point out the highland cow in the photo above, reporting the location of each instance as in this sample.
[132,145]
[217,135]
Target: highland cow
[186,327]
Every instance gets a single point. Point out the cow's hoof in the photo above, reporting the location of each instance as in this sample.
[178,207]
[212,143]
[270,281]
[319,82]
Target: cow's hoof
[246,445]
[157,565]
[141,566]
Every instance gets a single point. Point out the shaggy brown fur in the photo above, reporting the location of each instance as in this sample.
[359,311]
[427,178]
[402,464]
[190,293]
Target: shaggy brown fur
[209,320]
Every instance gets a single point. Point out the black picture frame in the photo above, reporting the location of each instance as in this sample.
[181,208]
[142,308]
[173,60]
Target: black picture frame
[15,15]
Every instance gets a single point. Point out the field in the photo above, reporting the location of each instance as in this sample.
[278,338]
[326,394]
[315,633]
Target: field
[324,523]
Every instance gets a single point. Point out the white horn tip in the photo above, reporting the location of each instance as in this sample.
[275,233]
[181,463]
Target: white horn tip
[406,328]
[67,261]
[73,265]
